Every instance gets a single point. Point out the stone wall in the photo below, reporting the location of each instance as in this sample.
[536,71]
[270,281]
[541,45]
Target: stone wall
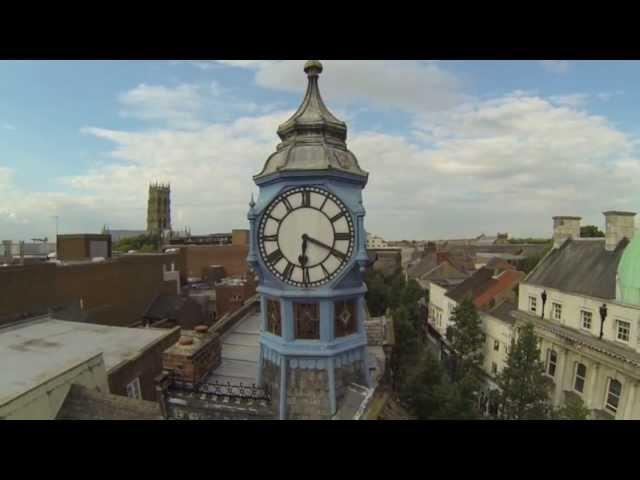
[271,377]
[346,375]
[308,394]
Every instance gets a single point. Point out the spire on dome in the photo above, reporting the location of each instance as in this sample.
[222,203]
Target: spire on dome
[313,138]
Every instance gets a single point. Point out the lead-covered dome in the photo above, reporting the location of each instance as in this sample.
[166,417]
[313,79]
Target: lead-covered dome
[629,273]
[313,138]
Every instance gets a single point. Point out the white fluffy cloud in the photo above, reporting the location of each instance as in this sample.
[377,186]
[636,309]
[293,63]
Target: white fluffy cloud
[408,85]
[465,167]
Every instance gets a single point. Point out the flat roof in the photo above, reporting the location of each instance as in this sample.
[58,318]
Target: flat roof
[34,351]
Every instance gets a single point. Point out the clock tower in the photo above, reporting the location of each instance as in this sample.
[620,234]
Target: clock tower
[308,248]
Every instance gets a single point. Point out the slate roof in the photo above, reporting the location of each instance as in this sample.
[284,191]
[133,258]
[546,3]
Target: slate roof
[472,286]
[503,311]
[499,263]
[82,403]
[580,266]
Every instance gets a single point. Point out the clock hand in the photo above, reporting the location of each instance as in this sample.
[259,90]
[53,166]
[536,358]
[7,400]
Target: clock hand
[303,258]
[324,245]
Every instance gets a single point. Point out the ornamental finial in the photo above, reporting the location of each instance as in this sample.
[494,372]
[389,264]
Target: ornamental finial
[313,68]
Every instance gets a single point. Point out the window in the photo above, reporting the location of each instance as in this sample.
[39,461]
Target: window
[533,304]
[274,321]
[345,321]
[556,309]
[494,368]
[133,389]
[552,361]
[613,395]
[307,320]
[496,345]
[624,329]
[586,319]
[581,375]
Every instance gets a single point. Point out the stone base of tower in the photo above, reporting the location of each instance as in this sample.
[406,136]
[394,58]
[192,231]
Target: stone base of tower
[309,392]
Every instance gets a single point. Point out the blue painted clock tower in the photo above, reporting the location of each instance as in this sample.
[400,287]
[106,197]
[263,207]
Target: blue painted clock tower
[308,248]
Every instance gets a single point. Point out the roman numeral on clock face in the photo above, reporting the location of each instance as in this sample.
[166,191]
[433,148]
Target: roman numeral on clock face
[305,275]
[287,205]
[270,238]
[324,270]
[338,254]
[274,257]
[306,198]
[337,217]
[343,236]
[288,271]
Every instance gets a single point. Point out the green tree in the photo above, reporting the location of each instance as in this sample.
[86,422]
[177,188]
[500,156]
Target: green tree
[525,389]
[396,290]
[377,293]
[573,409]
[143,243]
[408,344]
[467,340]
[591,231]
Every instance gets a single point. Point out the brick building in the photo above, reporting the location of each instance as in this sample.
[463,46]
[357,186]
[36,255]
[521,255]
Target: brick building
[231,293]
[43,347]
[117,291]
[83,246]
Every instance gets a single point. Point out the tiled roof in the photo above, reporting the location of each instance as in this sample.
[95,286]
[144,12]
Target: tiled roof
[503,311]
[580,266]
[481,287]
[507,279]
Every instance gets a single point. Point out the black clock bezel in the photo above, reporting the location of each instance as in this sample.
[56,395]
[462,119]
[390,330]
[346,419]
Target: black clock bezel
[282,197]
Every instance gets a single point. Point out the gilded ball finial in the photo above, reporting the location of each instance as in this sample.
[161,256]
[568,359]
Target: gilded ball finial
[313,67]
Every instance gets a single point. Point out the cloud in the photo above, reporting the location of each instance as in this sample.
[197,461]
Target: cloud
[410,86]
[555,66]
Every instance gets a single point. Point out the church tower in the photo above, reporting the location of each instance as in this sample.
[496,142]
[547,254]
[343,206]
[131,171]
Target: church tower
[159,208]
[308,248]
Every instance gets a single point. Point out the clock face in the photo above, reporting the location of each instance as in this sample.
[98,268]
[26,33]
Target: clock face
[306,236]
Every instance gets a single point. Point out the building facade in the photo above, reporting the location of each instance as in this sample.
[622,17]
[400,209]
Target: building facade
[583,299]
[308,247]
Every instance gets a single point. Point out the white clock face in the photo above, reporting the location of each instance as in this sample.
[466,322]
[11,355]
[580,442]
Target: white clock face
[306,236]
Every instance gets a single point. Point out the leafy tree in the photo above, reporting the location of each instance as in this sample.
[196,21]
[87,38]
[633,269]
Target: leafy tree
[573,409]
[429,396]
[591,231]
[467,340]
[408,344]
[412,292]
[377,293]
[396,291]
[525,389]
[143,243]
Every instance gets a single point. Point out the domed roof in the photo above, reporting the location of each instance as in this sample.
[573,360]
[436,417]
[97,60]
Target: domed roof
[313,138]
[629,273]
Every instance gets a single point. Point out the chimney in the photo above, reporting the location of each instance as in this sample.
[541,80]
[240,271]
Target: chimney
[617,226]
[565,227]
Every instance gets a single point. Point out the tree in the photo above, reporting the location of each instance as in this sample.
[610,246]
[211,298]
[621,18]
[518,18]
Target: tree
[408,344]
[377,293]
[591,231]
[467,340]
[525,389]
[573,409]
[143,243]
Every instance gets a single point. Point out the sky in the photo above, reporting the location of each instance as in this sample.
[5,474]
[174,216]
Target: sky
[454,148]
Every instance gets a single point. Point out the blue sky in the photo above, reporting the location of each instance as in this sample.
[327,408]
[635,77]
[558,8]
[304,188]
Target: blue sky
[453,148]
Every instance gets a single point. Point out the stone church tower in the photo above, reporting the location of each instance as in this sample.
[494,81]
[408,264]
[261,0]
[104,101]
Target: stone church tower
[159,208]
[308,248]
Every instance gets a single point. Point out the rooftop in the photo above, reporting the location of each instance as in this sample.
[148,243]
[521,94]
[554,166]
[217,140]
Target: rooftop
[580,266]
[33,351]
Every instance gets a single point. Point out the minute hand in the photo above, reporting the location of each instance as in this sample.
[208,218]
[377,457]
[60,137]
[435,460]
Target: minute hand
[324,245]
